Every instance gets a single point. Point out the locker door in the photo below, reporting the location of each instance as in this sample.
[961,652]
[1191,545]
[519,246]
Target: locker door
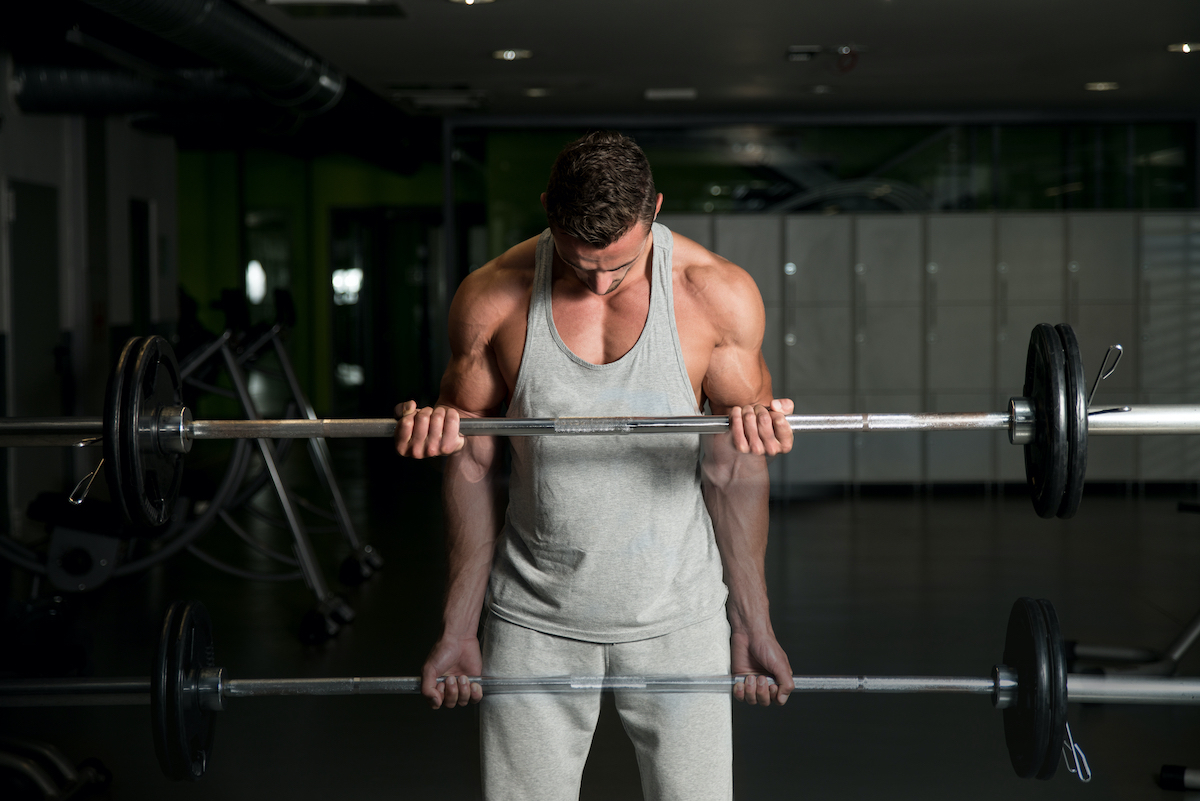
[753,242]
[1031,255]
[889,349]
[1101,252]
[888,259]
[820,248]
[818,290]
[962,256]
[697,227]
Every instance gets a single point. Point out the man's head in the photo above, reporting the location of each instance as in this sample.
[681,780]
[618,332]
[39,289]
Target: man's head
[600,187]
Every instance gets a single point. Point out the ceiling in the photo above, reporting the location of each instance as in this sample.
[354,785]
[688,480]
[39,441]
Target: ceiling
[900,57]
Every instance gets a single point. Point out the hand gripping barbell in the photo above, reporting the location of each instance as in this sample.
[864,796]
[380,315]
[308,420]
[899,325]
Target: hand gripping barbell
[146,430]
[1032,687]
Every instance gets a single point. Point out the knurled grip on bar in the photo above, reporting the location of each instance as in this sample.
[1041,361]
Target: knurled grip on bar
[592,425]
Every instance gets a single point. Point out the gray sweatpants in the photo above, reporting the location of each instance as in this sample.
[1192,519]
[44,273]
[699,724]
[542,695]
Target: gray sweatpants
[534,746]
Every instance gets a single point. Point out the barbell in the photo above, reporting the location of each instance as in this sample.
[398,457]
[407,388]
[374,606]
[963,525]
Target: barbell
[146,430]
[188,689]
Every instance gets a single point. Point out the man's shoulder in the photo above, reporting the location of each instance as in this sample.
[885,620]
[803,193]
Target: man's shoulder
[710,279]
[505,279]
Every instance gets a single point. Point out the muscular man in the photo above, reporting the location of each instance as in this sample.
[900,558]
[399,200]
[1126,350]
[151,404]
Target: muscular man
[634,555]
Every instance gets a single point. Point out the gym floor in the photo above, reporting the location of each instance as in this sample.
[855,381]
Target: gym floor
[910,583]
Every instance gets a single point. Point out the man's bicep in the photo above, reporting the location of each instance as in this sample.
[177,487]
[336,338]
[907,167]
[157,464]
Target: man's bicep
[737,372]
[737,378]
[472,382]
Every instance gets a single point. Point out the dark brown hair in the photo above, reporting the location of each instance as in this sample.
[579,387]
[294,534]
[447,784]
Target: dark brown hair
[600,187]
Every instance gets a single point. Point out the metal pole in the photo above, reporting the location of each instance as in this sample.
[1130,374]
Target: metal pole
[1117,421]
[1087,688]
[525,427]
[1144,420]
[1080,688]
[305,555]
[1121,421]
[18,432]
[75,692]
[319,449]
[386,685]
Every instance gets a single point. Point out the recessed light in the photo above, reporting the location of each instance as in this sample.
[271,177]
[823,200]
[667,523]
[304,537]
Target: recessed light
[680,93]
[310,9]
[1102,86]
[511,55]
[1182,47]
[471,2]
[802,52]
[438,98]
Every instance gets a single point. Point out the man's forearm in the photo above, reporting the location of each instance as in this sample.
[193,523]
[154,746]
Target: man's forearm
[472,524]
[737,494]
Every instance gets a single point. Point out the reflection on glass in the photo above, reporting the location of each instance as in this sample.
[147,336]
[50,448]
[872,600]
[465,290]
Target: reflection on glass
[350,375]
[256,282]
[346,286]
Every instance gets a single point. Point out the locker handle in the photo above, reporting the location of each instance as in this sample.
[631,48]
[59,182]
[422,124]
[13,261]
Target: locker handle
[931,302]
[1003,302]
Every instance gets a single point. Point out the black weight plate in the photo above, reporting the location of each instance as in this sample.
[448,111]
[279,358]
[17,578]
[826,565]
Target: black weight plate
[190,728]
[1077,422]
[1026,721]
[1046,457]
[114,426]
[172,763]
[1058,690]
[142,477]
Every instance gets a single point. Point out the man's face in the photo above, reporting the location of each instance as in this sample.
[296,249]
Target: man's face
[602,270]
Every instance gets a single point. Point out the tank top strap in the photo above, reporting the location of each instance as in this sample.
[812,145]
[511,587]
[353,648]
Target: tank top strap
[543,274]
[662,304]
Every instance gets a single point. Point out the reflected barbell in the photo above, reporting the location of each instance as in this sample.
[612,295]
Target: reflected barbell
[188,689]
[146,430]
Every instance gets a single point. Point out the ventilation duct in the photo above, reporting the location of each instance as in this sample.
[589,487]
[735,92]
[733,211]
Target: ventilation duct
[55,90]
[234,39]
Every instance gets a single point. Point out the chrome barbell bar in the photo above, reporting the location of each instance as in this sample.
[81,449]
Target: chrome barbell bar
[176,430]
[213,687]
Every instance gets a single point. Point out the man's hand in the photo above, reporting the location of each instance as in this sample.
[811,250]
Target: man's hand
[753,657]
[456,659]
[762,431]
[428,431]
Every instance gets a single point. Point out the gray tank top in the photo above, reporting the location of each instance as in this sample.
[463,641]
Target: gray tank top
[607,538]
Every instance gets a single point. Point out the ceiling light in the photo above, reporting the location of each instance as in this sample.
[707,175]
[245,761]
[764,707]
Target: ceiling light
[511,55]
[537,91]
[1102,86]
[802,52]
[435,98]
[471,2]
[1182,47]
[681,93]
[308,9]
